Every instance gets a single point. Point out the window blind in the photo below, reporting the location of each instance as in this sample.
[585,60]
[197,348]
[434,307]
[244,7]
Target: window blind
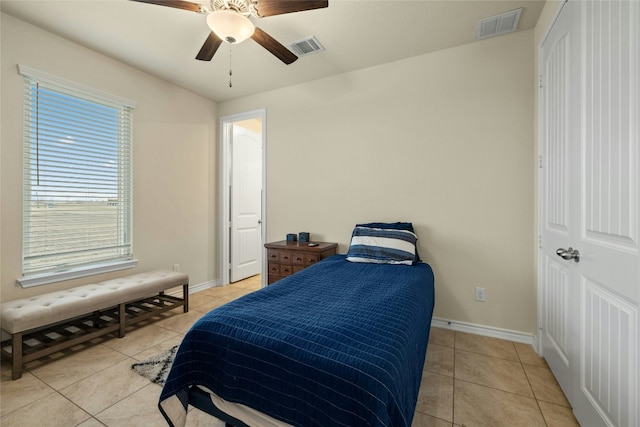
[77,202]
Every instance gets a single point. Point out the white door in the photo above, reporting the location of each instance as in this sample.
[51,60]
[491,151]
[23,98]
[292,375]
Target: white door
[559,56]
[590,325]
[246,202]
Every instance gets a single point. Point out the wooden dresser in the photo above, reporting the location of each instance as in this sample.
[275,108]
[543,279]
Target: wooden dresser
[286,258]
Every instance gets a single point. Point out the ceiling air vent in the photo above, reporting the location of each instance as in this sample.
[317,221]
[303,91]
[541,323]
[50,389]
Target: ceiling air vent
[306,46]
[498,24]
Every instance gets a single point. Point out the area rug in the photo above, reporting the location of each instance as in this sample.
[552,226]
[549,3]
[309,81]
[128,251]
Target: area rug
[156,368]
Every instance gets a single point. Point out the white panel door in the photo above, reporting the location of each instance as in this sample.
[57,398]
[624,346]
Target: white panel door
[246,203]
[609,270]
[589,316]
[559,58]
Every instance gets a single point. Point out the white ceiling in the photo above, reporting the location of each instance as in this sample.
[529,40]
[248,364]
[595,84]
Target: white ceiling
[357,34]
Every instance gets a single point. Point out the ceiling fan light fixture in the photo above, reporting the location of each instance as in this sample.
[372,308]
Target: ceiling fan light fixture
[230,26]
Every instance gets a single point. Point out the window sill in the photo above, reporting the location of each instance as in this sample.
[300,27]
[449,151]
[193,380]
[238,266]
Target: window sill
[75,273]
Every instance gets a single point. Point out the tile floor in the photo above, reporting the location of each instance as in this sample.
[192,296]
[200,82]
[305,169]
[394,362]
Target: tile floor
[468,380]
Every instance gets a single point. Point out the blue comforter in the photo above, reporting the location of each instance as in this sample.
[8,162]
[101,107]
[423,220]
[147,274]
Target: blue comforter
[337,344]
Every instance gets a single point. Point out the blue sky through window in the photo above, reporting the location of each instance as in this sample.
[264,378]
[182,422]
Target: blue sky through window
[74,148]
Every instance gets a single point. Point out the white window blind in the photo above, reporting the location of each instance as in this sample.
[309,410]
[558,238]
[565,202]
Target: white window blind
[77,205]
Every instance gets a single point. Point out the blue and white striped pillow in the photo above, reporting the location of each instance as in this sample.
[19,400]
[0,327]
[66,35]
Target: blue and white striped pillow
[382,246]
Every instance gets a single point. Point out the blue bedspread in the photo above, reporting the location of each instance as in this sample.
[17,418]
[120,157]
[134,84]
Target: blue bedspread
[337,344]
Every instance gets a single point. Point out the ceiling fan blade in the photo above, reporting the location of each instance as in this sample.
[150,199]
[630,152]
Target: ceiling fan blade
[177,4]
[279,7]
[208,49]
[274,46]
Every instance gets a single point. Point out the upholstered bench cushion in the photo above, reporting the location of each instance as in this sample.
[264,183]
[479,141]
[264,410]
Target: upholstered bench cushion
[29,313]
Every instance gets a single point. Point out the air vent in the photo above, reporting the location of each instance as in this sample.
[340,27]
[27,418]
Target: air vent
[306,46]
[499,24]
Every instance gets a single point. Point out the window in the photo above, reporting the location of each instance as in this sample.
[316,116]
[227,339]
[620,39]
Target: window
[77,201]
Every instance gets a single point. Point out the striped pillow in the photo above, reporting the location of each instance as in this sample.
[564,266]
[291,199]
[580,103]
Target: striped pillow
[395,226]
[382,246]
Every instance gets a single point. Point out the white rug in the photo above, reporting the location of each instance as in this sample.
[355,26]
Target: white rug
[156,368]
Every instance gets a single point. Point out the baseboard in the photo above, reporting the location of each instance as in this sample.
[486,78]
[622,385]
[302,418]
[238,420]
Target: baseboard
[535,343]
[487,331]
[177,292]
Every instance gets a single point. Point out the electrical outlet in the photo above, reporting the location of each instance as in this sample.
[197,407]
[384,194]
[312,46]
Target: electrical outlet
[176,267]
[481,294]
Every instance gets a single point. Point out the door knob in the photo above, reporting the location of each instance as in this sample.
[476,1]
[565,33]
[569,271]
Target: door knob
[568,254]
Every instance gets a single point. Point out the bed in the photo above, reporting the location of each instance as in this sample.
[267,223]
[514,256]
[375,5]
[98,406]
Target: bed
[341,343]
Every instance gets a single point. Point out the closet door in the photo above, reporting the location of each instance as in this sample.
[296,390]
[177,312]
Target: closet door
[609,275]
[600,187]
[559,116]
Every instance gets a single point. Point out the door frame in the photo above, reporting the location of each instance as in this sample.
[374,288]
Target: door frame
[224,179]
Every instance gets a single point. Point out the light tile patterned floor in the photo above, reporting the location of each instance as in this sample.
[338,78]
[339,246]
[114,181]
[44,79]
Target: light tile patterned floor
[471,380]
[468,380]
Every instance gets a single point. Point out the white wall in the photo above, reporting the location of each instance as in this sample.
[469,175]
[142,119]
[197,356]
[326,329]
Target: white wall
[444,140]
[175,181]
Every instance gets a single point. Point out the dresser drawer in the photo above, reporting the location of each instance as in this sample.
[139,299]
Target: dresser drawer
[286,269]
[273,256]
[280,269]
[305,259]
[285,257]
[281,257]
[274,268]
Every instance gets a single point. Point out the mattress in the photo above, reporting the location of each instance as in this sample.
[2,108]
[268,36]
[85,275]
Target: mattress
[339,344]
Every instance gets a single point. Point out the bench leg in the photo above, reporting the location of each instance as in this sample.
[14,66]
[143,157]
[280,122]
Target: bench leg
[185,296]
[121,320]
[97,323]
[16,356]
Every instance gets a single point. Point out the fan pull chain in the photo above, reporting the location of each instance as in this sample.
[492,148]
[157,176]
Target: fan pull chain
[230,73]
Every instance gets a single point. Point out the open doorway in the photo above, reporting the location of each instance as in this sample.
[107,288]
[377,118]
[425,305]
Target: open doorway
[243,199]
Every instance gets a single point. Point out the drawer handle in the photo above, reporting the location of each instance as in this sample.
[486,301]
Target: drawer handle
[298,259]
[312,260]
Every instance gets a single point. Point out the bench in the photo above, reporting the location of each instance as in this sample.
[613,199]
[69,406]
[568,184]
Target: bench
[47,323]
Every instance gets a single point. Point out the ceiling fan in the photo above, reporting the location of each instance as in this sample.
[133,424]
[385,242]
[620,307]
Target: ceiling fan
[229,21]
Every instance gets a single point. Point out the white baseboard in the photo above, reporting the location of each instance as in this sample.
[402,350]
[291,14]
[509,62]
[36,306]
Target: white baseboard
[195,288]
[487,331]
[535,343]
[203,286]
